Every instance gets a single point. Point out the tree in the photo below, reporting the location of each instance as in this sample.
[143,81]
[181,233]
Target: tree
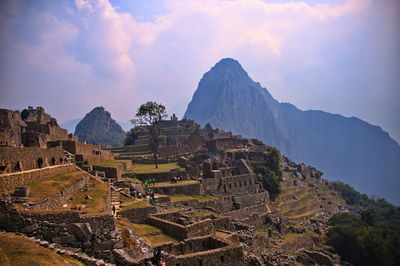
[150,115]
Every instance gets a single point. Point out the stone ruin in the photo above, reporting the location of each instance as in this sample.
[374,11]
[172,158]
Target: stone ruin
[220,161]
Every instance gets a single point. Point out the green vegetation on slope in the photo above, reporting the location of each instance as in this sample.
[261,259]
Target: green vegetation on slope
[269,173]
[371,238]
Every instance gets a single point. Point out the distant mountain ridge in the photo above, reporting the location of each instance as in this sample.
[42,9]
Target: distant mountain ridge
[98,127]
[71,125]
[348,149]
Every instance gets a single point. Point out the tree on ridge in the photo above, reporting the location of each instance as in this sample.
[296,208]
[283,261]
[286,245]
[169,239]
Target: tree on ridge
[150,114]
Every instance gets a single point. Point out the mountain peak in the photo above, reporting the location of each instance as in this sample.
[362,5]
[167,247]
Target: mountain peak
[98,127]
[228,67]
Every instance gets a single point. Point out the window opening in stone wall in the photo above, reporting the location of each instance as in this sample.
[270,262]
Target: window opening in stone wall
[222,259]
[200,262]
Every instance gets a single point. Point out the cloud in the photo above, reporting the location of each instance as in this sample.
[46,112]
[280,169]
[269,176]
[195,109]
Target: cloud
[303,53]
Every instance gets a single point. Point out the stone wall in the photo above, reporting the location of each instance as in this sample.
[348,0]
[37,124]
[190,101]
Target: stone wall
[247,211]
[61,197]
[169,222]
[28,156]
[138,215]
[84,150]
[205,251]
[224,223]
[159,177]
[251,199]
[110,172]
[95,235]
[189,189]
[9,181]
[236,184]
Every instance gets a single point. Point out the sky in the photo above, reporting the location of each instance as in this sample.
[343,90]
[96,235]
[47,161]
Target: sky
[339,56]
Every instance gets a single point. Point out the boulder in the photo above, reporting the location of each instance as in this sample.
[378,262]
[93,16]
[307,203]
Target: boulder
[123,257]
[82,231]
[30,228]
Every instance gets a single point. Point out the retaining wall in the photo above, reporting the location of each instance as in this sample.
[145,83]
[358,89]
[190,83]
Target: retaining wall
[9,181]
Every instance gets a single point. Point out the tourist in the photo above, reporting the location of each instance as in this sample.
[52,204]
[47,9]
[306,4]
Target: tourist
[18,166]
[40,162]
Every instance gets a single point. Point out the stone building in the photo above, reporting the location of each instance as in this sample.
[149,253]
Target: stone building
[11,128]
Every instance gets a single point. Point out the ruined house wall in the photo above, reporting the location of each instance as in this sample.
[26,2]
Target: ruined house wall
[247,211]
[169,223]
[172,228]
[201,228]
[110,172]
[224,223]
[159,177]
[204,251]
[138,215]
[96,235]
[61,197]
[251,199]
[189,189]
[83,150]
[28,156]
[11,126]
[237,184]
[223,256]
[9,181]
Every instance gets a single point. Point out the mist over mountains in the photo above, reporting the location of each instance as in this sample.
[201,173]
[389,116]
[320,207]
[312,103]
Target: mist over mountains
[345,149]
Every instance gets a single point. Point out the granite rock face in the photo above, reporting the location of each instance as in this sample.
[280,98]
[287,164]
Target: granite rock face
[98,127]
[345,149]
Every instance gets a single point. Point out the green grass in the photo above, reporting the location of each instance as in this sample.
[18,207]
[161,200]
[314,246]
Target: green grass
[98,193]
[41,189]
[133,203]
[150,168]
[179,183]
[159,239]
[19,251]
[204,197]
[111,163]
[152,235]
[181,197]
[145,229]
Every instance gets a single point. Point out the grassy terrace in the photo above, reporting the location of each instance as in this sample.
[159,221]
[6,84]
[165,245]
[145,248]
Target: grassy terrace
[111,163]
[181,197]
[19,251]
[41,189]
[152,235]
[179,183]
[128,203]
[98,193]
[150,168]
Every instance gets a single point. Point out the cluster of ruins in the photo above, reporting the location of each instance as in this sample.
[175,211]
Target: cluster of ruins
[215,166]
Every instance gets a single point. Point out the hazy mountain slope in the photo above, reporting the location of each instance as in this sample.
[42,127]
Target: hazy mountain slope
[98,127]
[70,125]
[347,149]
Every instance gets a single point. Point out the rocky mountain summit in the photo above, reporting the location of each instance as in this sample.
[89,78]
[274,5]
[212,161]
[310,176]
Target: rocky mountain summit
[348,149]
[98,127]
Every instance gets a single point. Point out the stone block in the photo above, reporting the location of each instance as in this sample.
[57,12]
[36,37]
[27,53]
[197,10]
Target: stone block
[82,231]
[30,228]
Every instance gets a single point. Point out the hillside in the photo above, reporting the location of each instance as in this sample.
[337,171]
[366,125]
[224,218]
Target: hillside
[348,149]
[98,127]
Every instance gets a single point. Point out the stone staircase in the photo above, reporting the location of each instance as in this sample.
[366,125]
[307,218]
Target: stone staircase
[115,200]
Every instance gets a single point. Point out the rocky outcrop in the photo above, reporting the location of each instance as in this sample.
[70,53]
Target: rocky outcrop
[99,128]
